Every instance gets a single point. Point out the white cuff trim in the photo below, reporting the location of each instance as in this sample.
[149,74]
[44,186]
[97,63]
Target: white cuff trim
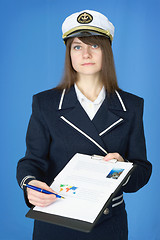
[116,204]
[24,179]
[116,198]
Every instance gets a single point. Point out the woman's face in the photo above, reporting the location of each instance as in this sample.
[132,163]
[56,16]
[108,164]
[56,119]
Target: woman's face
[86,59]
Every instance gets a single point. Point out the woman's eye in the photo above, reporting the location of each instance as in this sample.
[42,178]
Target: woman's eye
[95,46]
[77,47]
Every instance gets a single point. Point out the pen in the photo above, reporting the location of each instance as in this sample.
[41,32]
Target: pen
[41,190]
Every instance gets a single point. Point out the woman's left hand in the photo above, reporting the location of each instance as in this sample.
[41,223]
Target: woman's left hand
[116,156]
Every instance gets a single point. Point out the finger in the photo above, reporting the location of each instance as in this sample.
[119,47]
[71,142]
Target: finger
[39,203]
[41,185]
[109,156]
[41,199]
[38,198]
[40,195]
[116,156]
[46,187]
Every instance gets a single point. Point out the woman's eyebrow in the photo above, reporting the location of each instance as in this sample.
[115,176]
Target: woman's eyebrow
[76,43]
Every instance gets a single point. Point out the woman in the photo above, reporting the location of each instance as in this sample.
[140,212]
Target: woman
[87,113]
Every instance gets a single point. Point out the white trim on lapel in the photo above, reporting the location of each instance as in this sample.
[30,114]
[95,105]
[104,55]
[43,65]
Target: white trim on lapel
[120,99]
[119,120]
[61,100]
[83,133]
[118,95]
[107,129]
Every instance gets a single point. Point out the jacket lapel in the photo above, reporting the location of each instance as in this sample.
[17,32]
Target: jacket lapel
[73,114]
[110,115]
[106,119]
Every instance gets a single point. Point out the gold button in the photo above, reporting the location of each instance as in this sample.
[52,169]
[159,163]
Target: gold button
[106,211]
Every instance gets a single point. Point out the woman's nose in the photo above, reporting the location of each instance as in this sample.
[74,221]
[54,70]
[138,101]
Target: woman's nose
[86,52]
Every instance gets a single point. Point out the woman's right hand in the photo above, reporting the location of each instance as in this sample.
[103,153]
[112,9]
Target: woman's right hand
[40,199]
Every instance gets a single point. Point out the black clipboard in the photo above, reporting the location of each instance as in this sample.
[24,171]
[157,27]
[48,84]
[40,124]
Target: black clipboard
[74,223]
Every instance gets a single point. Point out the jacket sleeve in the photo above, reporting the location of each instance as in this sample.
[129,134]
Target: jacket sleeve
[137,153]
[35,161]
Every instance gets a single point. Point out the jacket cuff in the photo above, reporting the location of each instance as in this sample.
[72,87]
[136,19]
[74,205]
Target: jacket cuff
[26,180]
[25,191]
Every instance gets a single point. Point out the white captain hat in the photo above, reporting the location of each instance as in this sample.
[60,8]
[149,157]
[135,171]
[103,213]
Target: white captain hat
[87,23]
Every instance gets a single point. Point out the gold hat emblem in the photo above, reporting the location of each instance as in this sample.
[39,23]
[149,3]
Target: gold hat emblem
[84,18]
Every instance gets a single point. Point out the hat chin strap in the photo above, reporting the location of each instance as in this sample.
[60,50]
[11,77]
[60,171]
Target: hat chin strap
[89,29]
[86,34]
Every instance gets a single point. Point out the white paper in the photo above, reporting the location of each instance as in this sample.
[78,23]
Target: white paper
[86,184]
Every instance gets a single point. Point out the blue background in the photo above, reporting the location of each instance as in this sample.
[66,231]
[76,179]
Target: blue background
[31,60]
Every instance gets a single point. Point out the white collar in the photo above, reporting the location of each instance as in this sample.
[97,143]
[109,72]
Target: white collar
[81,97]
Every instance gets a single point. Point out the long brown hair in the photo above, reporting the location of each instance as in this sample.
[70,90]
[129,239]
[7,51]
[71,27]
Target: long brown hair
[108,73]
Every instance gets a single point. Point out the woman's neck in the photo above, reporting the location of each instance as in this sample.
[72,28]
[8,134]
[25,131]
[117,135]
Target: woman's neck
[90,86]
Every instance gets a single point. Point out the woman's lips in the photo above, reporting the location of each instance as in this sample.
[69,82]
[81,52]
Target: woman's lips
[87,64]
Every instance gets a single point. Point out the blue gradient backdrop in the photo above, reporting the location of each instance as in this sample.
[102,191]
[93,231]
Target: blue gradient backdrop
[31,60]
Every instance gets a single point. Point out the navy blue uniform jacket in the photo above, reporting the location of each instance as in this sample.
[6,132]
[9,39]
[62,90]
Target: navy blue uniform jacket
[59,128]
